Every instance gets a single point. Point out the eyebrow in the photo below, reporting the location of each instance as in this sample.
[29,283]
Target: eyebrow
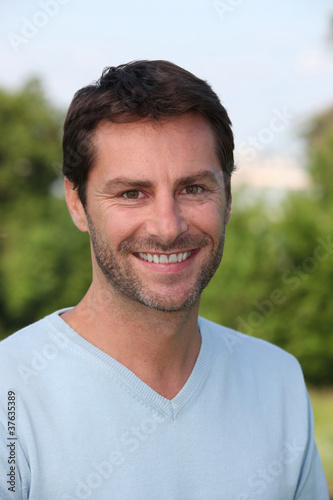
[204,176]
[125,182]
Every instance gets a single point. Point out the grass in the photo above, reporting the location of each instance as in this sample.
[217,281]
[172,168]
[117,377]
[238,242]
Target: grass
[322,403]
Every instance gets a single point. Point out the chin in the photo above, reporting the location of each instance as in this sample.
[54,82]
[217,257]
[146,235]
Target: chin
[174,304]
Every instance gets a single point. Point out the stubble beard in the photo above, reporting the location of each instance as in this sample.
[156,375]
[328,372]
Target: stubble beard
[123,280]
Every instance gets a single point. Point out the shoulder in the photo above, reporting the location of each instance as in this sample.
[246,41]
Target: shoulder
[22,339]
[26,337]
[30,345]
[259,375]
[251,354]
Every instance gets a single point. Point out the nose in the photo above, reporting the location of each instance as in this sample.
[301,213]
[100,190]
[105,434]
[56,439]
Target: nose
[166,221]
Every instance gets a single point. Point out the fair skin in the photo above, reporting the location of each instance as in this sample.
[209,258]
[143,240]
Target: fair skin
[155,190]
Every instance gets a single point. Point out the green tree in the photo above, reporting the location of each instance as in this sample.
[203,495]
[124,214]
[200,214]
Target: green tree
[307,226]
[44,261]
[276,277]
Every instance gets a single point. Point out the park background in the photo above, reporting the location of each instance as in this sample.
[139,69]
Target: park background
[272,67]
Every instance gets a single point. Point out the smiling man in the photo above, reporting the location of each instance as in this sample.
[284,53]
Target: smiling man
[129,394]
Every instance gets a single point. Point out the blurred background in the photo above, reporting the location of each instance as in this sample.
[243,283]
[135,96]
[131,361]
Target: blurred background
[272,66]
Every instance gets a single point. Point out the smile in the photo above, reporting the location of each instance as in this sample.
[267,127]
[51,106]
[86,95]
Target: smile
[165,259]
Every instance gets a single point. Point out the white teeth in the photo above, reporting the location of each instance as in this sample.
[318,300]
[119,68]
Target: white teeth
[164,259]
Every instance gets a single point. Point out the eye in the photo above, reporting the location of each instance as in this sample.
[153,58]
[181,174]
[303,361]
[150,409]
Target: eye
[192,189]
[134,194]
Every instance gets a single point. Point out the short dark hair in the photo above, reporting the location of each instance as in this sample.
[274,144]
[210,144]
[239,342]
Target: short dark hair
[140,90]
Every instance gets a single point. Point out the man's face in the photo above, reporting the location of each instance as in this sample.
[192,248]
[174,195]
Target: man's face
[156,210]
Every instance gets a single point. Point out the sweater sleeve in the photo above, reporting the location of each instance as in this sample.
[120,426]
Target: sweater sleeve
[312,483]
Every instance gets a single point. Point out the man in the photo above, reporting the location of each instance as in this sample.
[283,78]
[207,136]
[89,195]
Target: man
[129,395]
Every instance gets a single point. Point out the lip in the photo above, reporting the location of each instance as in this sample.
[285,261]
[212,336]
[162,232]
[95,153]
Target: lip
[174,267]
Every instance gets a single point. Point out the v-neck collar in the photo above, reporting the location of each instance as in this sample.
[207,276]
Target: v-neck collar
[131,382]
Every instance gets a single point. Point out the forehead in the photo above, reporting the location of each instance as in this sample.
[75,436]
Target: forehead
[182,144]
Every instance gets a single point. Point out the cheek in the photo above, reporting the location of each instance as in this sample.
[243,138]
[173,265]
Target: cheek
[121,226]
[209,220]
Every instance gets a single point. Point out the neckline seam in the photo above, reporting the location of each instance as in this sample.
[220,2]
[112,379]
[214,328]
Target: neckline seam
[141,392]
[110,371]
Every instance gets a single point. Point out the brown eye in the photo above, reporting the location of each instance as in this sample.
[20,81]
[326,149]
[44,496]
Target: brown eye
[132,195]
[193,189]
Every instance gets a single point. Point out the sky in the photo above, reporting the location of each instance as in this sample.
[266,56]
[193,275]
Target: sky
[271,63]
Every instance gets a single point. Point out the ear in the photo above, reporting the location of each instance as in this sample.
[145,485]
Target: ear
[228,210]
[75,206]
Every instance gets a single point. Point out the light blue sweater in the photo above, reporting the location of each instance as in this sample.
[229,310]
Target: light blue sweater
[85,427]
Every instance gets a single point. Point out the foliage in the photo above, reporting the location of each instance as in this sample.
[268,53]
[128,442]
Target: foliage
[275,280]
[43,265]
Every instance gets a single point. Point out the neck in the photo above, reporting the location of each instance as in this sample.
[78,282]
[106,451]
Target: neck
[159,347]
